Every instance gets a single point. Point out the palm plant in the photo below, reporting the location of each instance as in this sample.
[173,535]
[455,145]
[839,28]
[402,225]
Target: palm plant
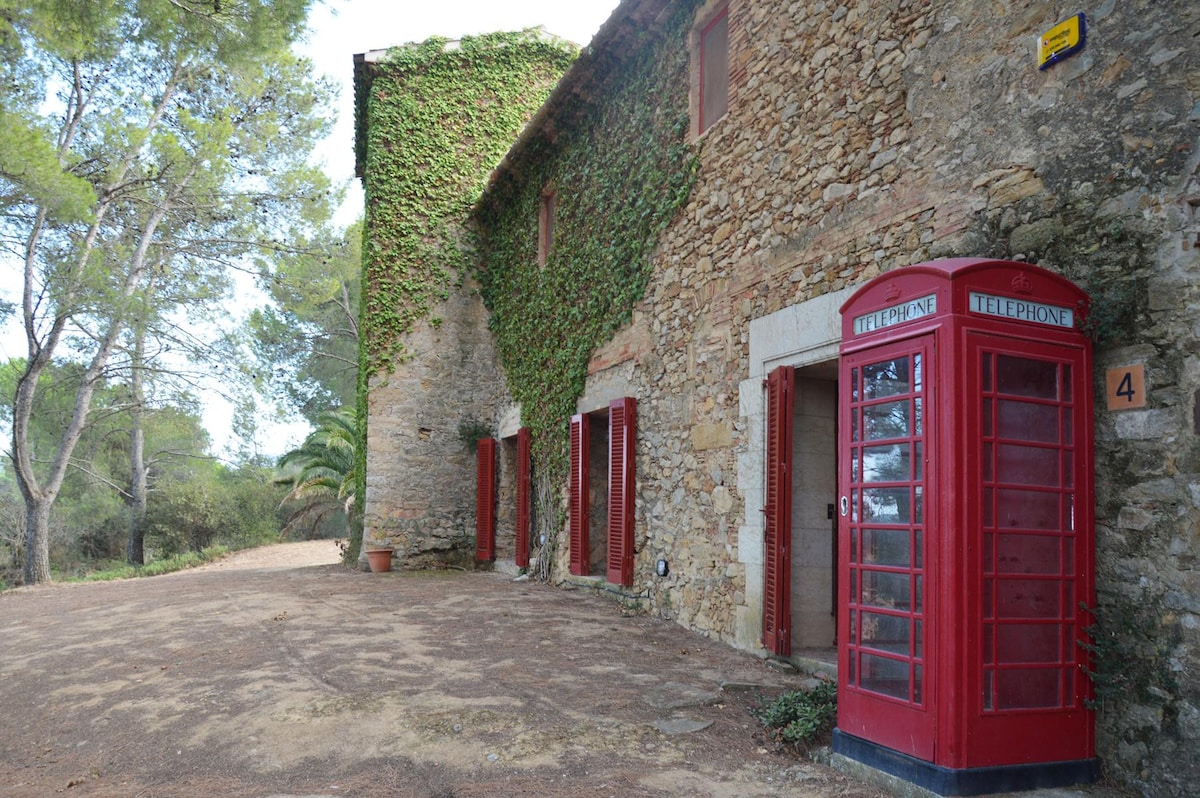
[322,472]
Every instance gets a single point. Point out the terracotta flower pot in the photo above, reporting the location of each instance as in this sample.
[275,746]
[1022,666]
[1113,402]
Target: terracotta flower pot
[380,560]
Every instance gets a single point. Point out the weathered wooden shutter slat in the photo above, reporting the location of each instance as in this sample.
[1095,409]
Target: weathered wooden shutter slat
[578,494]
[622,435]
[777,532]
[524,485]
[485,500]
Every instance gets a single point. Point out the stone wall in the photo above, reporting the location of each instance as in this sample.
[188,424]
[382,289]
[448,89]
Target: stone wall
[863,137]
[420,468]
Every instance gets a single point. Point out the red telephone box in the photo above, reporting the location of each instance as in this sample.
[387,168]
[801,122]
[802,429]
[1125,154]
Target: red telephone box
[966,528]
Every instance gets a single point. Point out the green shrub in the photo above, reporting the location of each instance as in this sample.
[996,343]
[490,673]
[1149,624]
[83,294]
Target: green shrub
[802,717]
[178,562]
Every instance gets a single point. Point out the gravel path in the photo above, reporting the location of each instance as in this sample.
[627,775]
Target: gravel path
[278,672]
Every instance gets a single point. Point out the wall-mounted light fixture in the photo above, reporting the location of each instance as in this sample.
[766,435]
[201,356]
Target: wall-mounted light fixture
[661,568]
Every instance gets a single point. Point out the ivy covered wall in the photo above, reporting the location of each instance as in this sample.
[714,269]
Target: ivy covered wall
[441,116]
[434,119]
[620,168]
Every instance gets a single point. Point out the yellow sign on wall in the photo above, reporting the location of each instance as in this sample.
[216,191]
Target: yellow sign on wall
[1063,40]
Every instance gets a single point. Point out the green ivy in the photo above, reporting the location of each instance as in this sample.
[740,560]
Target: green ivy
[621,169]
[434,120]
[440,117]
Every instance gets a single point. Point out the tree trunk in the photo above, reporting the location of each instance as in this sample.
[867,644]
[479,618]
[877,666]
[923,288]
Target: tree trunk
[37,540]
[135,553]
[135,550]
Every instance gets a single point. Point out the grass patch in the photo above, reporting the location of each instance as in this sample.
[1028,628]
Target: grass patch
[802,719]
[179,562]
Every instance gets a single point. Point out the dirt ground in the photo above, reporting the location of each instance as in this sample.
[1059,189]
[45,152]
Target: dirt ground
[277,672]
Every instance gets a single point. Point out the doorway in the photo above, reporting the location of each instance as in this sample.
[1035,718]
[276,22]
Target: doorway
[800,567]
[597,495]
[589,491]
[506,507]
[514,508]
[813,591]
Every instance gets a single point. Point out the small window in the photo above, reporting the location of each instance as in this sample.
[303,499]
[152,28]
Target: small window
[546,226]
[713,92]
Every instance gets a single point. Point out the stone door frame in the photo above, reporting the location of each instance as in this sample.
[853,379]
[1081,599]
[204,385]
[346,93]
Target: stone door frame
[800,335]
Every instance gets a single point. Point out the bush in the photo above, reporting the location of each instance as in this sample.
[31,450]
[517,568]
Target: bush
[213,504]
[104,539]
[178,562]
[183,516]
[802,717]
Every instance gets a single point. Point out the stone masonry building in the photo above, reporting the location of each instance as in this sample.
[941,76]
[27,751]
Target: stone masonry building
[687,211]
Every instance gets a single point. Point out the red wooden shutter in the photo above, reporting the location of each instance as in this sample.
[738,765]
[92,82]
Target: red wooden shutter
[485,500]
[622,435]
[579,494]
[524,485]
[777,533]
